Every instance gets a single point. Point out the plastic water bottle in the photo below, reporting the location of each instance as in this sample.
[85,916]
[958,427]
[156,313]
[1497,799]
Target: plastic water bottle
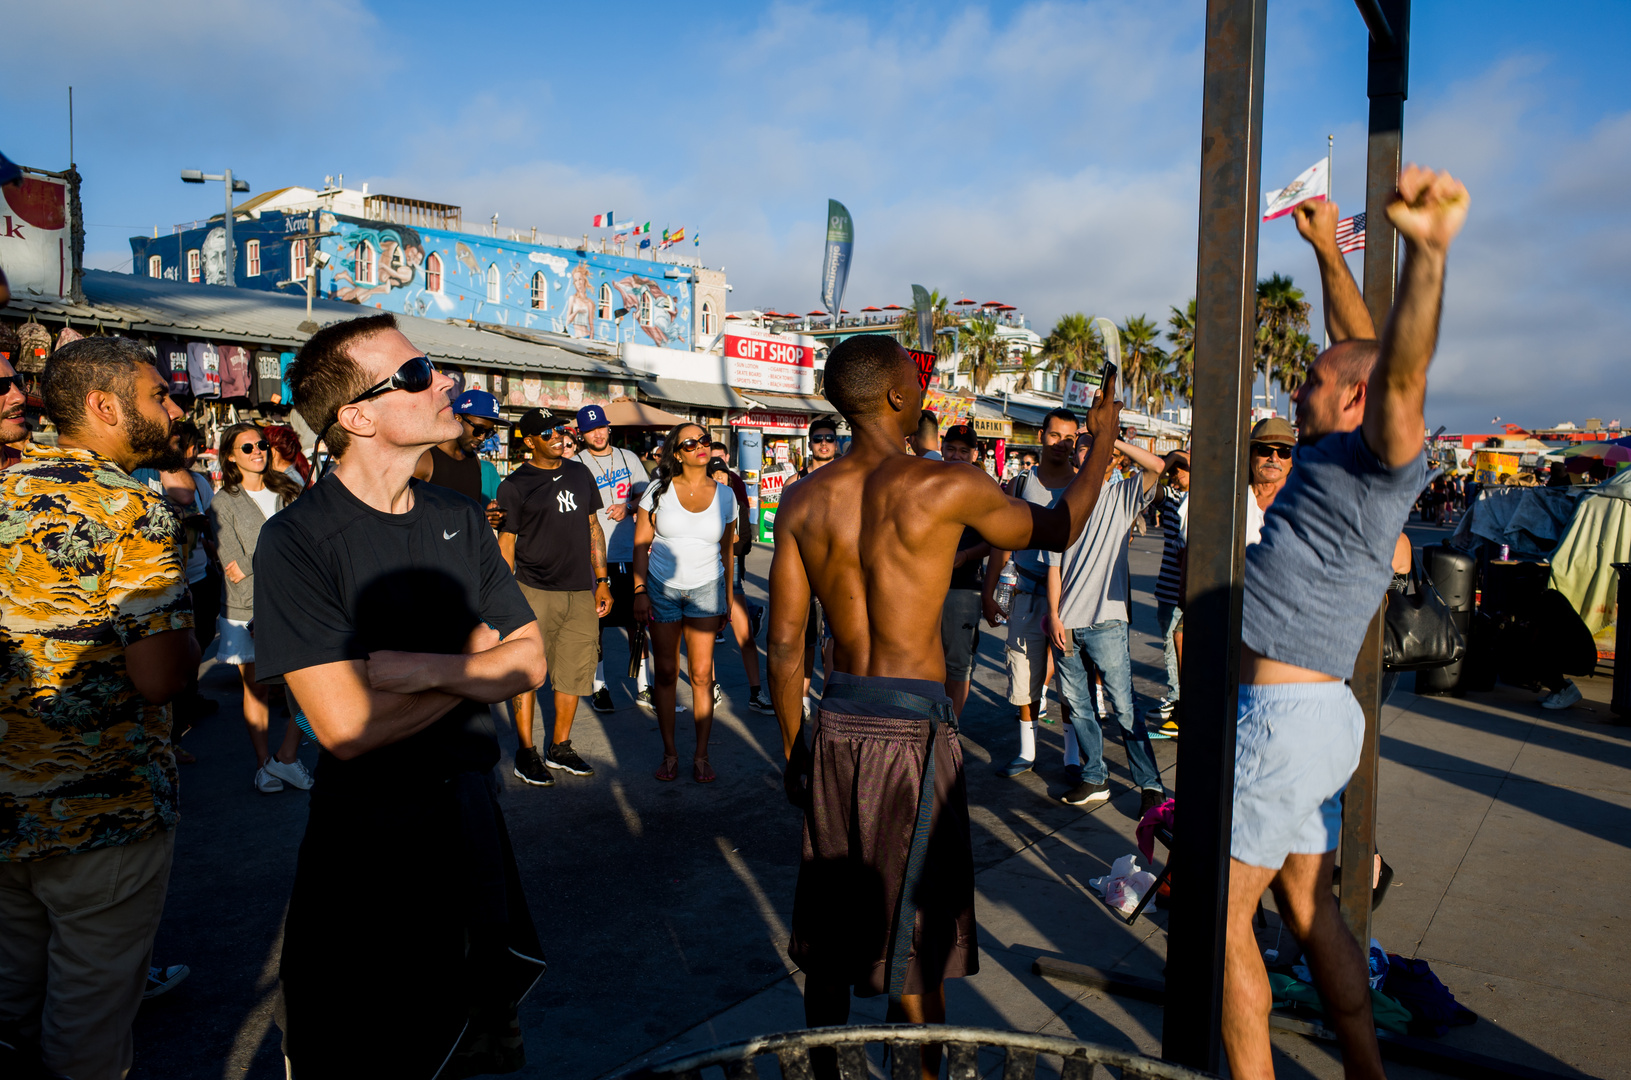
[1007,581]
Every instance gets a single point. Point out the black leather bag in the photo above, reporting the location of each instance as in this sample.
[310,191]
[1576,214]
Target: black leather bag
[1417,630]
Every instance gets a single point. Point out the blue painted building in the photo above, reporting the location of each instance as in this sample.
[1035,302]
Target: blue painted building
[447,273]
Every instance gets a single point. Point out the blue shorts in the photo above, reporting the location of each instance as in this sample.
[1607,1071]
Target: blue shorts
[669,604]
[1296,747]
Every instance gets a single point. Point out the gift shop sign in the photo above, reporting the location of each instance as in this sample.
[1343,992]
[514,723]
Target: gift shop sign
[36,249]
[779,364]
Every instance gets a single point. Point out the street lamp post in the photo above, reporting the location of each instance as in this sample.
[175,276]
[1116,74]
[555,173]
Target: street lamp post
[193,176]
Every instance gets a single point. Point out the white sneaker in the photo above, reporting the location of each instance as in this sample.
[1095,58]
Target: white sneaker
[293,773]
[1562,699]
[266,783]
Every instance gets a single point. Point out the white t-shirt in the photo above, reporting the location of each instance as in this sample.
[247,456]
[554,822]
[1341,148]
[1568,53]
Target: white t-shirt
[685,554]
[266,499]
[1254,519]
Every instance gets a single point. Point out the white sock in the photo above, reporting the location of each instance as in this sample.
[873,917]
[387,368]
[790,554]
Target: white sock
[1027,740]
[1073,752]
[643,680]
[809,706]
[600,676]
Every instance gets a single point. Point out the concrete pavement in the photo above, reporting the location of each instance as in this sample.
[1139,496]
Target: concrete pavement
[664,907]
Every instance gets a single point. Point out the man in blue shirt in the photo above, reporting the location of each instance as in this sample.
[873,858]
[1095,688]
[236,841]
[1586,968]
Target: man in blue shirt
[1312,585]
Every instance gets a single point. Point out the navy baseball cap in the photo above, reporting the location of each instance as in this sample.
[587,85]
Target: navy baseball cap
[591,417]
[476,403]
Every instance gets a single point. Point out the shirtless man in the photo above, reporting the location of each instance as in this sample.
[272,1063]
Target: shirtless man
[873,536]
[1312,585]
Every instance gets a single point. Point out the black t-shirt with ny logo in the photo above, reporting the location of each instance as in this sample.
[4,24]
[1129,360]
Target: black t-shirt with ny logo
[549,510]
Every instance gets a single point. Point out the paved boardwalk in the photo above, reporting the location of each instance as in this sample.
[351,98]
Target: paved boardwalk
[664,907]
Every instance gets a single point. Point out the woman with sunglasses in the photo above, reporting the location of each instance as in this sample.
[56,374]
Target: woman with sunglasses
[683,537]
[252,491]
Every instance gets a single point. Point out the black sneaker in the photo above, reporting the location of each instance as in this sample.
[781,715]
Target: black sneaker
[162,979]
[1084,794]
[602,700]
[760,703]
[530,767]
[562,756]
[1149,801]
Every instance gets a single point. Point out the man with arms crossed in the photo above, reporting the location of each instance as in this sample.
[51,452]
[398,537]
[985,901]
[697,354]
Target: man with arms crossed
[384,604]
[1312,585]
[873,536]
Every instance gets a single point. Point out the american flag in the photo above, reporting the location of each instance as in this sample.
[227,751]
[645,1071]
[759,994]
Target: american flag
[1351,234]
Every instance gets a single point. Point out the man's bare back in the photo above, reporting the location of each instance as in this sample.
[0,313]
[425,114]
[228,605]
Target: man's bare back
[873,536]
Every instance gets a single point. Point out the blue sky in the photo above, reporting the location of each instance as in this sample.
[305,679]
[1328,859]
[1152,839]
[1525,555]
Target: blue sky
[1040,154]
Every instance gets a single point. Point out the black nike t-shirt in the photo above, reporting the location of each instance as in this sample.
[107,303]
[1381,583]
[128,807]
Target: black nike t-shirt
[548,510]
[336,579]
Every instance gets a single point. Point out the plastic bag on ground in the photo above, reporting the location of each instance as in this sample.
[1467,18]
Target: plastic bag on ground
[1125,885]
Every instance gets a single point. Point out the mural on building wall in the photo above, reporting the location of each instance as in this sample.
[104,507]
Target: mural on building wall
[440,274]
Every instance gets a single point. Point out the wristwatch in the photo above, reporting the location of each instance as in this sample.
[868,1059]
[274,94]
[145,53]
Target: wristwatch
[603,581]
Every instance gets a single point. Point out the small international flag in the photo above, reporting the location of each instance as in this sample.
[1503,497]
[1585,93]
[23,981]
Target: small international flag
[675,237]
[646,242]
[1351,234]
[603,221]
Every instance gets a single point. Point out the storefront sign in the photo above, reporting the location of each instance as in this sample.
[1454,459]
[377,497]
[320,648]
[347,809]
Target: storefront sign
[1080,389]
[776,423]
[781,364]
[988,428]
[36,248]
[925,366]
[950,408]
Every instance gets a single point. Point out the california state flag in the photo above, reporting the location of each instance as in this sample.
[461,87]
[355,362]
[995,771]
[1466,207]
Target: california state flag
[1313,182]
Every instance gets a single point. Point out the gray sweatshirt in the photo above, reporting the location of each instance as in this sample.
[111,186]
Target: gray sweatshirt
[237,521]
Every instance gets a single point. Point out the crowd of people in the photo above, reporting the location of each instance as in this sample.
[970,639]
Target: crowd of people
[394,599]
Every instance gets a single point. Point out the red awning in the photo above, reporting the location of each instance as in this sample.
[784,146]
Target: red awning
[894,307]
[964,300]
[871,308]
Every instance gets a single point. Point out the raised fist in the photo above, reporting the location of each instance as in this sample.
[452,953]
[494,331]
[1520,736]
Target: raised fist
[1428,208]
[1317,222]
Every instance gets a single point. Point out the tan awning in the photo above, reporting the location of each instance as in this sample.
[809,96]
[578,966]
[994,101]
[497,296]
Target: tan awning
[625,412]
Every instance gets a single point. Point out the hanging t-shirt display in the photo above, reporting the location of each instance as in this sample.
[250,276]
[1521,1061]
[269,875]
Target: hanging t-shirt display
[204,368]
[268,388]
[172,360]
[286,361]
[234,371]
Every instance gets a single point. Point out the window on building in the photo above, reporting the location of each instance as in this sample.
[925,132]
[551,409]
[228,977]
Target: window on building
[252,255]
[492,283]
[540,291]
[297,261]
[367,265]
[433,273]
[192,266]
[155,266]
[645,309]
[605,301]
[707,317]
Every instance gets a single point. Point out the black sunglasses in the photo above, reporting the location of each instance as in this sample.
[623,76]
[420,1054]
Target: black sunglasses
[9,381]
[414,376]
[483,430]
[823,438]
[689,445]
[1266,449]
[251,447]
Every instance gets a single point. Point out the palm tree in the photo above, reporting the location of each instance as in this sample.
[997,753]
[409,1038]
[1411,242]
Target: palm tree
[1142,360]
[1181,332]
[943,317]
[1282,314]
[983,350]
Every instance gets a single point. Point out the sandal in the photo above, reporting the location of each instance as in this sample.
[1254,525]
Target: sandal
[670,768]
[702,772]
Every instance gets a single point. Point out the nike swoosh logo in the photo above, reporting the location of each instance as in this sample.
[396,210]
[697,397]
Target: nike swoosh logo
[449,535]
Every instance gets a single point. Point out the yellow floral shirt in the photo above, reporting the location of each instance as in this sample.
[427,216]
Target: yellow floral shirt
[89,562]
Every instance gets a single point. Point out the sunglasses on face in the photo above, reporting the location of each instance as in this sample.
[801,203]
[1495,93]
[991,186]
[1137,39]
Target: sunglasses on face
[1267,450]
[484,430]
[823,438]
[254,447]
[9,381]
[688,445]
[414,376]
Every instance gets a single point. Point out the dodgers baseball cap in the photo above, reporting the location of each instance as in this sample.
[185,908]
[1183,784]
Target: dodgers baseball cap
[476,403]
[591,417]
[540,421]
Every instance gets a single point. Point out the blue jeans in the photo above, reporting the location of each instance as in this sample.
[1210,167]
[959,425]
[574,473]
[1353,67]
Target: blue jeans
[1105,645]
[1167,615]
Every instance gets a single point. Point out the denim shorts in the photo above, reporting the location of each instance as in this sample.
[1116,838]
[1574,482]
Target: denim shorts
[669,604]
[1296,747]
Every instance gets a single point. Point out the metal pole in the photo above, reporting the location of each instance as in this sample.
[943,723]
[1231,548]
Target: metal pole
[1388,85]
[232,252]
[1225,328]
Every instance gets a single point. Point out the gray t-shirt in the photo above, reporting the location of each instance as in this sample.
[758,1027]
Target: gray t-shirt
[1033,573]
[1326,557]
[619,475]
[1093,571]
